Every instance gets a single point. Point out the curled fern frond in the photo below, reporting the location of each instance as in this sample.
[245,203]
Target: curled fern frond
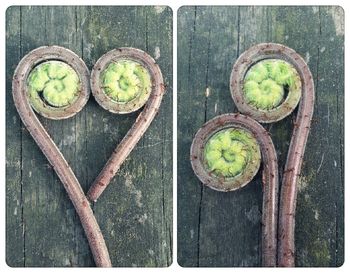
[55,82]
[228,152]
[125,80]
[266,82]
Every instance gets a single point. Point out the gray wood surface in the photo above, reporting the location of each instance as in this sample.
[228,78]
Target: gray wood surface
[135,212]
[224,229]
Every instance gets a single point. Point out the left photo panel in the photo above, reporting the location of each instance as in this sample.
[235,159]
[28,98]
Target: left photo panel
[89,136]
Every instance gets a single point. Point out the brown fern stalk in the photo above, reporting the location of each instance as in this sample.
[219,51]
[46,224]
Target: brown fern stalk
[286,249]
[142,122]
[302,93]
[48,147]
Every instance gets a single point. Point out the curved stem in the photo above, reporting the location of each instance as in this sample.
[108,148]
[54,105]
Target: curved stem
[128,143]
[270,188]
[142,122]
[286,250]
[270,175]
[60,165]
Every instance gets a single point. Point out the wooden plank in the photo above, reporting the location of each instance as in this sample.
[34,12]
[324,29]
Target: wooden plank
[139,222]
[192,69]
[14,197]
[47,204]
[217,209]
[210,233]
[136,216]
[159,33]
[320,218]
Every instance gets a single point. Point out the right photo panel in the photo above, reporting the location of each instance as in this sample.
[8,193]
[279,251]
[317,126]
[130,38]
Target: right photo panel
[260,136]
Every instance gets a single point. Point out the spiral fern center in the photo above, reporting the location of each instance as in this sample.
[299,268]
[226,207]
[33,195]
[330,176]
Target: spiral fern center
[266,82]
[124,80]
[55,81]
[228,152]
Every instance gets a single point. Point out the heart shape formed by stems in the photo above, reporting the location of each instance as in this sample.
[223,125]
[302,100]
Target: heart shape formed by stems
[55,82]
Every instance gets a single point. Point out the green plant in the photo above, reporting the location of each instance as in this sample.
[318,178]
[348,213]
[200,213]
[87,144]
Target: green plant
[54,89]
[54,81]
[228,152]
[267,81]
[125,80]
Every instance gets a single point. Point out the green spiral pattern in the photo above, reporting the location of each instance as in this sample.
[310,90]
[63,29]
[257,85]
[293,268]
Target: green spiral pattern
[266,83]
[125,80]
[55,81]
[228,152]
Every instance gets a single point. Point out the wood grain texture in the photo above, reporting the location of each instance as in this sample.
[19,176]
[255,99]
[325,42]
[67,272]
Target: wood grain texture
[224,229]
[135,212]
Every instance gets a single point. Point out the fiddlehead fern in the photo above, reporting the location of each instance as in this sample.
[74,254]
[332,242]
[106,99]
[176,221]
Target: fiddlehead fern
[266,83]
[54,83]
[122,81]
[301,87]
[125,80]
[33,74]
[246,137]
[229,152]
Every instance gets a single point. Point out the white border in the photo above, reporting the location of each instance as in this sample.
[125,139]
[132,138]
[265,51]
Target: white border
[174,5]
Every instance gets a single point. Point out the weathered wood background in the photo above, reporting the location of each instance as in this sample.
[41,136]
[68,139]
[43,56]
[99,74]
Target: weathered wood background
[135,212]
[224,229]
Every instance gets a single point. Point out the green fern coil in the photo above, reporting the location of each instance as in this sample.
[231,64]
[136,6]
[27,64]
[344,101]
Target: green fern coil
[54,81]
[267,81]
[228,152]
[125,80]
